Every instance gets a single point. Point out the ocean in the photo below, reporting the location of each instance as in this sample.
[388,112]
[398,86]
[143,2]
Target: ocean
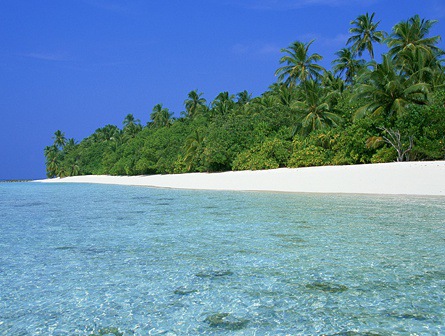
[80,259]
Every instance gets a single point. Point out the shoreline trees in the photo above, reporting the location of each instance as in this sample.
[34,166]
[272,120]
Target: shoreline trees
[361,112]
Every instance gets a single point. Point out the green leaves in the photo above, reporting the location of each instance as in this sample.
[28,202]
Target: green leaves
[412,33]
[59,139]
[387,92]
[161,116]
[314,109]
[347,63]
[365,33]
[299,64]
[194,103]
[357,113]
[270,154]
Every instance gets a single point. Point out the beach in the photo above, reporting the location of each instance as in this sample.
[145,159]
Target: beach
[396,178]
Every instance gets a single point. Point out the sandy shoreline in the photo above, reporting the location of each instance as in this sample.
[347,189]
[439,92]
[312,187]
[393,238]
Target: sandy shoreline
[397,178]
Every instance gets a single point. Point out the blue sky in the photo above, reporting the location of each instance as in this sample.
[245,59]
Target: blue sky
[77,65]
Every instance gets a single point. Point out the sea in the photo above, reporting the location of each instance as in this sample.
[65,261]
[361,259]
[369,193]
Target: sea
[83,259]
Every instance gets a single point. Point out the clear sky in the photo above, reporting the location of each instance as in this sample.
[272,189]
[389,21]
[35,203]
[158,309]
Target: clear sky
[77,65]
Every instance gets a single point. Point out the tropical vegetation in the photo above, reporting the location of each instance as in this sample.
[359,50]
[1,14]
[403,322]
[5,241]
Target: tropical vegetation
[360,111]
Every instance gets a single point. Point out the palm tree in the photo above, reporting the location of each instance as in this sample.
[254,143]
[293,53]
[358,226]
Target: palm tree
[282,94]
[365,33]
[131,125]
[108,132]
[74,168]
[59,139]
[286,95]
[421,66]
[52,158]
[244,97]
[299,65]
[193,147]
[413,34]
[117,139]
[314,110]
[130,120]
[263,102]
[387,93]
[223,103]
[62,172]
[347,64]
[437,78]
[50,151]
[161,116]
[194,102]
[69,145]
[333,83]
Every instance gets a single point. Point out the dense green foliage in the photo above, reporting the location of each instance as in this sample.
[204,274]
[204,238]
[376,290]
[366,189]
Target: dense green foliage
[361,112]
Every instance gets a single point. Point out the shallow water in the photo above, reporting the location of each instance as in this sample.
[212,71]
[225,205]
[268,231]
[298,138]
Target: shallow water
[114,260]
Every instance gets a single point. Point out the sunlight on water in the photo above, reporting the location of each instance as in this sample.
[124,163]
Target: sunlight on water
[113,260]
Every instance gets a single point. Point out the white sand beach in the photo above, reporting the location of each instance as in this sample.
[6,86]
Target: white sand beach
[397,178]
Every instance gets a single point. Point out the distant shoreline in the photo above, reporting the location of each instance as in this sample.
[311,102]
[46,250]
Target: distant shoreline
[397,178]
[15,181]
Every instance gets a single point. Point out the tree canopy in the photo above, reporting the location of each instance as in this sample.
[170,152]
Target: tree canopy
[361,111]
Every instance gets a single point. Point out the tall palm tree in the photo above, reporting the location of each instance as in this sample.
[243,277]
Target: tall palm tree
[193,147]
[387,92]
[194,102]
[117,139]
[333,83]
[52,158]
[421,66]
[62,172]
[50,151]
[299,65]
[347,63]
[130,120]
[161,116]
[74,168]
[243,97]
[70,144]
[131,125]
[108,132]
[365,33]
[59,139]
[413,33]
[264,102]
[314,110]
[223,103]
[286,95]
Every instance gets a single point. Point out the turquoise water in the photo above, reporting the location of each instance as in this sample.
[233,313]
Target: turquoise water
[114,260]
